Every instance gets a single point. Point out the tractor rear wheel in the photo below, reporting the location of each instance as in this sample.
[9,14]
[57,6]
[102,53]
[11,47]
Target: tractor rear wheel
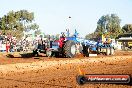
[69,49]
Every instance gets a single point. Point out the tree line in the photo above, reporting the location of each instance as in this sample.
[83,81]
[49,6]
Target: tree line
[17,22]
[109,25]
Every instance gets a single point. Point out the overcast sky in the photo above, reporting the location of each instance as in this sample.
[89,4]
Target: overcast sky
[52,15]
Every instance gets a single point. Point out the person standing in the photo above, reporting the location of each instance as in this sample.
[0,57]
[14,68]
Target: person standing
[7,46]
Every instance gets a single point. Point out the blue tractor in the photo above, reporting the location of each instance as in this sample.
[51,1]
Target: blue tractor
[69,46]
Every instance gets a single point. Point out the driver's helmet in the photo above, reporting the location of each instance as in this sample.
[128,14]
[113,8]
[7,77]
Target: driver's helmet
[63,35]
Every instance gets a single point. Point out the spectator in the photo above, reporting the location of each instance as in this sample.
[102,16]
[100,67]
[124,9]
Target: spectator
[7,46]
[11,47]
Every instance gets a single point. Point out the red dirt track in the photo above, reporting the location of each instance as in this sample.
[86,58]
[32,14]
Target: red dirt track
[61,72]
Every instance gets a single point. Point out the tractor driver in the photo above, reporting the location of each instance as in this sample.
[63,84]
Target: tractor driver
[63,35]
[62,39]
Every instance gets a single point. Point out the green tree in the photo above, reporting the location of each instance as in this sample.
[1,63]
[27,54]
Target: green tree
[33,26]
[57,36]
[18,22]
[109,24]
[91,35]
[127,28]
[37,32]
